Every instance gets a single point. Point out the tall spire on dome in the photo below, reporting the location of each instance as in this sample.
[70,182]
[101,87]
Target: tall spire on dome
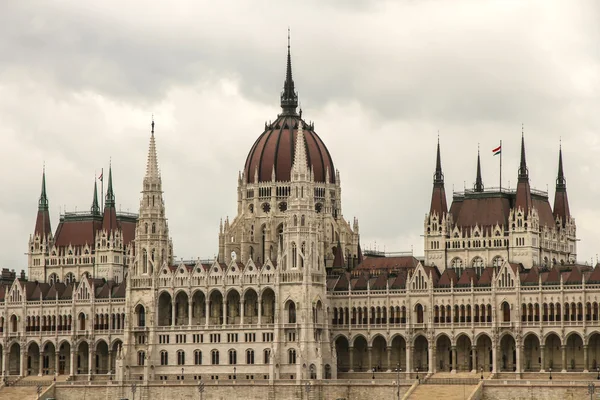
[289,97]
[95,206]
[478,181]
[152,170]
[438,197]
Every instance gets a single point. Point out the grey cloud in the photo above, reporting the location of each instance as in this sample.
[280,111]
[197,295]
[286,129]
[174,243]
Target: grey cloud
[379,79]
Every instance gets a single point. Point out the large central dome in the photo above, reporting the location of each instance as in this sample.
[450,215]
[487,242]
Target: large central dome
[274,149]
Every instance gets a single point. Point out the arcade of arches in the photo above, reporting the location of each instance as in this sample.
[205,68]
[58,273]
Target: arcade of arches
[442,353]
[66,359]
[232,309]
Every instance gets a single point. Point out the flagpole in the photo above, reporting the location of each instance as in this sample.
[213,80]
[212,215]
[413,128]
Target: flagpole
[102,191]
[500,165]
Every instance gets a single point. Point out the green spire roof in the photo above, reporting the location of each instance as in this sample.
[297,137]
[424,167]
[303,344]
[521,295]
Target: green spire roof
[110,195]
[43,202]
[95,205]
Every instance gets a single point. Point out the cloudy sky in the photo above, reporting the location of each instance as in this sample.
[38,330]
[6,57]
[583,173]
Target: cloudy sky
[79,82]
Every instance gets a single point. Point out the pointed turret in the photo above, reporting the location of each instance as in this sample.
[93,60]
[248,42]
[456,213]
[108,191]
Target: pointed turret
[109,222]
[561,202]
[338,259]
[152,165]
[42,222]
[523,197]
[523,171]
[438,197]
[95,206]
[300,165]
[110,195]
[289,97]
[478,181]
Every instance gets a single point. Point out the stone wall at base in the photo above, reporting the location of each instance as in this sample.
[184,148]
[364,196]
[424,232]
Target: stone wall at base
[279,391]
[533,392]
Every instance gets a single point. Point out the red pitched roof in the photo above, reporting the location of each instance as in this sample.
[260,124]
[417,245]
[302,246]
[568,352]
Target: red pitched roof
[388,263]
[483,211]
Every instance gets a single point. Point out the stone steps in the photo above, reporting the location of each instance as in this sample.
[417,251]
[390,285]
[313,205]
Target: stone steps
[18,392]
[446,392]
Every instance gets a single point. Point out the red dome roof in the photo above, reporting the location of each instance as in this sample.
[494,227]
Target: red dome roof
[275,147]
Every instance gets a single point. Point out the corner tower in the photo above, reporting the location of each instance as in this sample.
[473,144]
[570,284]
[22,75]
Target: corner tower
[42,240]
[437,221]
[153,246]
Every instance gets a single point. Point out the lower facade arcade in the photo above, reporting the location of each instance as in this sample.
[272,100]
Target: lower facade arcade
[59,358]
[430,352]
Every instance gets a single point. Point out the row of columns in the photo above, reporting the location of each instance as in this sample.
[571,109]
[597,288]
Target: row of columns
[24,355]
[207,313]
[432,356]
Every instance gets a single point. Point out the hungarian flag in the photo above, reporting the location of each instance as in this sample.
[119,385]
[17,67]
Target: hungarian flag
[497,150]
[100,177]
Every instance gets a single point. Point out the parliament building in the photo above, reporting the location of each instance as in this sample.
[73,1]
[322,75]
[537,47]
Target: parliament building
[291,295]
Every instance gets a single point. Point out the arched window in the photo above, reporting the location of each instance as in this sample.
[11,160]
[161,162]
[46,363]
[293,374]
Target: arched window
[164,358]
[477,262]
[419,311]
[292,356]
[294,255]
[302,220]
[497,262]
[456,262]
[146,228]
[141,312]
[154,227]
[291,312]
[141,358]
[69,278]
[214,357]
[144,261]
[295,220]
[249,356]
[197,357]
[232,357]
[267,356]
[180,357]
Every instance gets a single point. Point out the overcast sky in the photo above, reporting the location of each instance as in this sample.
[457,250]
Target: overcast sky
[79,82]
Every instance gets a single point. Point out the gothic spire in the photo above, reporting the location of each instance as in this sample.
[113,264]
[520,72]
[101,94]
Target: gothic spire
[95,206]
[478,181]
[289,97]
[110,195]
[438,197]
[152,166]
[523,195]
[438,177]
[561,182]
[561,200]
[523,172]
[42,222]
[43,202]
[300,165]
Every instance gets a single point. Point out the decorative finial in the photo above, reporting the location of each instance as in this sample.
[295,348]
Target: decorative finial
[153,124]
